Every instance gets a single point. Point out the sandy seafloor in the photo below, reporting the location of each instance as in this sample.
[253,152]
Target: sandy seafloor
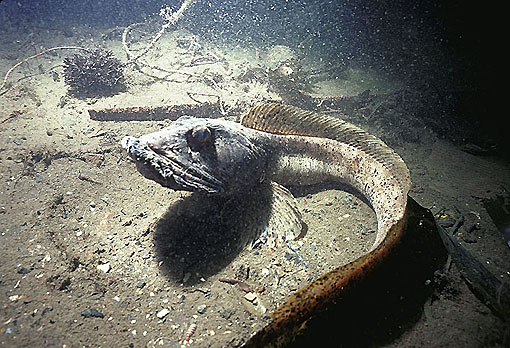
[81,228]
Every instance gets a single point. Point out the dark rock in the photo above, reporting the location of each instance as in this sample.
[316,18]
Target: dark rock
[471,226]
[469,238]
[65,284]
[23,270]
[141,284]
[91,313]
[226,313]
[46,310]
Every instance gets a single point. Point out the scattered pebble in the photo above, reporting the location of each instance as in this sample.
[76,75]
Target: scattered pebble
[201,309]
[145,254]
[253,304]
[250,296]
[162,342]
[141,284]
[105,267]
[180,298]
[23,270]
[163,313]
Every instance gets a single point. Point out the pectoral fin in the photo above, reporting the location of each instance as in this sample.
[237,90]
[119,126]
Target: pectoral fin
[267,214]
[285,222]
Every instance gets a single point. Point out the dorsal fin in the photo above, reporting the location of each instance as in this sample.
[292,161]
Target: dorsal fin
[290,120]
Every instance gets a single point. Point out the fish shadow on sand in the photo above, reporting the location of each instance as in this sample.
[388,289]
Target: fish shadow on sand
[201,234]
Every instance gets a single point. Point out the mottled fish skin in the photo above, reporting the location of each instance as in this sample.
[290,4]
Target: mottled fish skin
[366,175]
[289,146]
[310,148]
[200,155]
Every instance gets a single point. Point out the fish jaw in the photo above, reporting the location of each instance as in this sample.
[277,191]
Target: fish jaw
[161,169]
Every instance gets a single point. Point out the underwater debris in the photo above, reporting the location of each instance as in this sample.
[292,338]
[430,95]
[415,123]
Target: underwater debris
[96,73]
[156,113]
[498,208]
[491,291]
[11,115]
[171,19]
[6,77]
[242,285]
[190,331]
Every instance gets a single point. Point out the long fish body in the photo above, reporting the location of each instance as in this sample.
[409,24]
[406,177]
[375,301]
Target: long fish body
[288,146]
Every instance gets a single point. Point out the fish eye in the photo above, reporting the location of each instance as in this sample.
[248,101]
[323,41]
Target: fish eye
[199,136]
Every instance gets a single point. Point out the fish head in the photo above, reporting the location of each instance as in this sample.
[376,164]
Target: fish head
[200,155]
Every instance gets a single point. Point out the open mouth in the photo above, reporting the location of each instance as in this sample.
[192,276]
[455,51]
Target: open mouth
[168,170]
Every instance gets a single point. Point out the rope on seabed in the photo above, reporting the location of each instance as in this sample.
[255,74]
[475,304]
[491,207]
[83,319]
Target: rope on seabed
[38,55]
[171,19]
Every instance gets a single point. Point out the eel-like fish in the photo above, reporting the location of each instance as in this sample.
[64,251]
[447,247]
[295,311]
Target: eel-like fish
[288,146]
